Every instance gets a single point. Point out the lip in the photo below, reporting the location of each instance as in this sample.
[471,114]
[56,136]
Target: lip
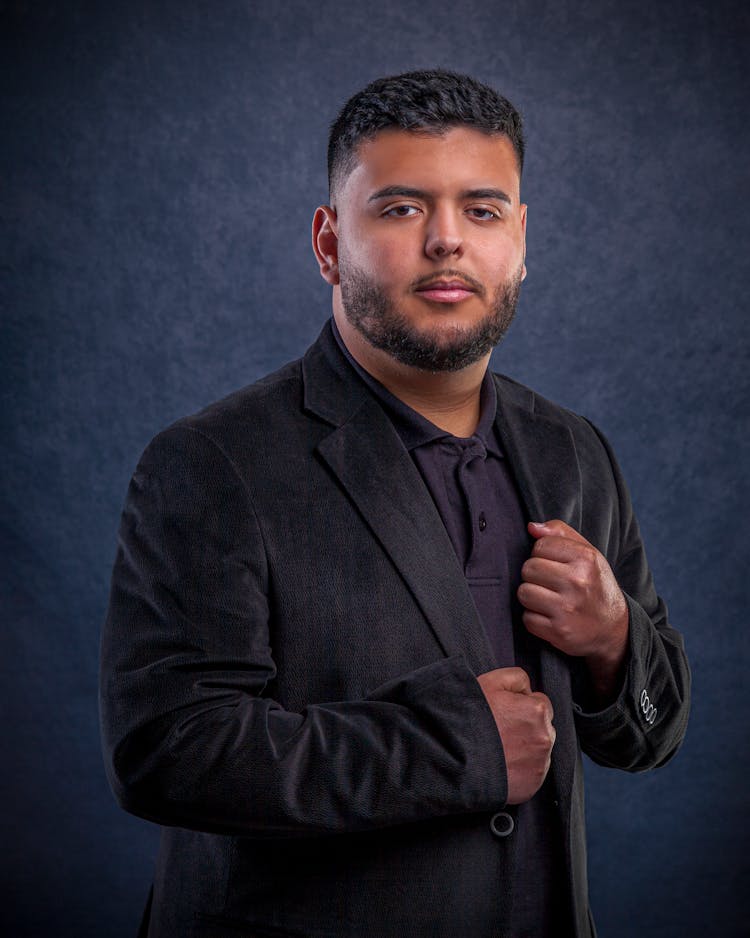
[446,291]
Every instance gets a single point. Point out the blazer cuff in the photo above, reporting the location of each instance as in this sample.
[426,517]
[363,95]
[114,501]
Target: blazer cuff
[449,691]
[630,705]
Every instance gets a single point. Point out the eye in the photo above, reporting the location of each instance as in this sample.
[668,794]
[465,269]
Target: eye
[401,211]
[485,213]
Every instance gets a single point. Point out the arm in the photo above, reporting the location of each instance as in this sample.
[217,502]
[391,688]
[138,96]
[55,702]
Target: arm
[631,678]
[191,737]
[628,733]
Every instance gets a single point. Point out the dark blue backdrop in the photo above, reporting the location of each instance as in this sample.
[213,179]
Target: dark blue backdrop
[161,163]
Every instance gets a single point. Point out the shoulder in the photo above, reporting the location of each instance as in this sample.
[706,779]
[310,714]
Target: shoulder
[528,403]
[266,400]
[254,425]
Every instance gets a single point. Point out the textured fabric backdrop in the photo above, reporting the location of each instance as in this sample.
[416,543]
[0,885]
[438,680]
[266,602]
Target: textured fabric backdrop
[160,165]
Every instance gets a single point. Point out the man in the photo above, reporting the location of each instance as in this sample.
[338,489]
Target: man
[366,613]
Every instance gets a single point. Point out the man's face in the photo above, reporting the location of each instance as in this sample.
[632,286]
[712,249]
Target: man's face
[430,241]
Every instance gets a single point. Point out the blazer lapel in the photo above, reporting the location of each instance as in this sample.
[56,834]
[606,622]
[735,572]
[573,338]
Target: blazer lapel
[371,464]
[379,476]
[542,454]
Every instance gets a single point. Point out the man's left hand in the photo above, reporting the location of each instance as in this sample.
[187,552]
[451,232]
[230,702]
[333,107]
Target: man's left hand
[572,600]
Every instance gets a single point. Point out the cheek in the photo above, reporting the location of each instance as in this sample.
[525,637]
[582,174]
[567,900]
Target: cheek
[388,261]
[393,267]
[502,262]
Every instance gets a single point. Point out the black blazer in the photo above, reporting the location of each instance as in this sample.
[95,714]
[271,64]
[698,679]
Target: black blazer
[288,667]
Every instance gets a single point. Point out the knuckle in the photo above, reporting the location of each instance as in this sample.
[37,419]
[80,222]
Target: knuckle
[542,707]
[541,772]
[569,607]
[580,578]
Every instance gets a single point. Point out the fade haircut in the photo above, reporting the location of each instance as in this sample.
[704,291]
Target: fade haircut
[430,101]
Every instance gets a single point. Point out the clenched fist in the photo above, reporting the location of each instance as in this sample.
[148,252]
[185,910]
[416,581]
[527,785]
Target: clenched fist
[572,600]
[524,722]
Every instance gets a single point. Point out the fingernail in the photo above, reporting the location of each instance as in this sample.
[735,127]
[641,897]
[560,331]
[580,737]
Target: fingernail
[537,524]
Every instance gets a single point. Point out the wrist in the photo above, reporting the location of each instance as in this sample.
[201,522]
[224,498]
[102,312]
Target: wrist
[606,666]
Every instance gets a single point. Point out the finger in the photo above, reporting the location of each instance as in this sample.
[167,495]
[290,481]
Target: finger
[539,599]
[561,549]
[537,624]
[542,572]
[544,699]
[512,679]
[555,528]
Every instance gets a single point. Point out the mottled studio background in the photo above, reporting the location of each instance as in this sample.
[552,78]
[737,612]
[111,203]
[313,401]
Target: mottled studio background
[160,165]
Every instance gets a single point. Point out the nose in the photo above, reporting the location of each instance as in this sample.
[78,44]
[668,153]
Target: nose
[443,236]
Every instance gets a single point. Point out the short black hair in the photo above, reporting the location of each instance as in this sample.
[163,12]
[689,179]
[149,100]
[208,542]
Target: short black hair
[430,101]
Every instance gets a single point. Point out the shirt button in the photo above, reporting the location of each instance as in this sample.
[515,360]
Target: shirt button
[502,824]
[482,522]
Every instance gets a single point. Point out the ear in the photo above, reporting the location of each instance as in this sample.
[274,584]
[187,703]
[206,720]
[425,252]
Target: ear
[325,243]
[524,209]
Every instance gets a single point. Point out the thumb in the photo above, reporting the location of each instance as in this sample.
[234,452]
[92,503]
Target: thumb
[556,528]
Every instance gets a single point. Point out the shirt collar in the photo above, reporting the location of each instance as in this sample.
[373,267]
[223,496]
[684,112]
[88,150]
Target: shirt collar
[414,429]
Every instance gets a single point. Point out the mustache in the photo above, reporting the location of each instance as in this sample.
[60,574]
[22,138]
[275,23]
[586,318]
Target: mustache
[450,273]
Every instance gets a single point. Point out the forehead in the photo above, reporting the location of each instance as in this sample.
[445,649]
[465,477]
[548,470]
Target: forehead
[459,159]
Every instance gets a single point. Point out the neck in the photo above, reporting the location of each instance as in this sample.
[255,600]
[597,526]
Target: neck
[450,400]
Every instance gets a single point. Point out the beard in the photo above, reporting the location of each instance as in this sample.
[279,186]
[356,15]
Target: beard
[370,311]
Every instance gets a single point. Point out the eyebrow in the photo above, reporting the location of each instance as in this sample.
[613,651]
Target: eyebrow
[411,193]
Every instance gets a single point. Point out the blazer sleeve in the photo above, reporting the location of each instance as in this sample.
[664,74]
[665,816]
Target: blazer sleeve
[645,725]
[191,737]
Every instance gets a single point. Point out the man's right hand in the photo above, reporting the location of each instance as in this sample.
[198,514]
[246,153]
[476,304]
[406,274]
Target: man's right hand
[524,722]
